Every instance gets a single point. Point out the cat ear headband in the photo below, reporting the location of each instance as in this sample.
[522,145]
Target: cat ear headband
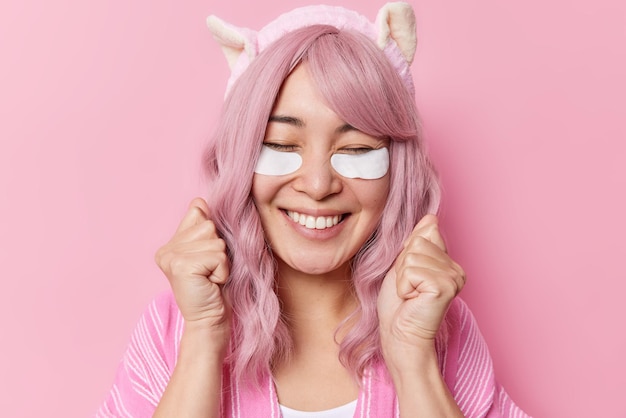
[393,31]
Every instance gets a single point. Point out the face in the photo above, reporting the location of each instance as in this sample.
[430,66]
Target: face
[314,218]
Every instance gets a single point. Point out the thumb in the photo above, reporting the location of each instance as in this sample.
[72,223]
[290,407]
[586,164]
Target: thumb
[198,212]
[202,205]
[428,228]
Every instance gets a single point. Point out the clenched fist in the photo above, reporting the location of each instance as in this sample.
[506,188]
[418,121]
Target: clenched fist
[196,265]
[417,291]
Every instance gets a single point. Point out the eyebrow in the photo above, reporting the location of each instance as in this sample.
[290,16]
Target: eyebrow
[299,123]
[346,127]
[289,120]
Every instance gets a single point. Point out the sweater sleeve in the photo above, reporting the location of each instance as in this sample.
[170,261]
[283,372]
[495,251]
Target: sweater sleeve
[468,369]
[147,365]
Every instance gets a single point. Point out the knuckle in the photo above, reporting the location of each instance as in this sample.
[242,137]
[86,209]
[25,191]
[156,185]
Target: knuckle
[451,274]
[176,266]
[403,286]
[418,241]
[432,228]
[222,258]
[457,274]
[451,279]
[158,256]
[413,259]
[161,256]
[446,290]
[209,227]
[221,245]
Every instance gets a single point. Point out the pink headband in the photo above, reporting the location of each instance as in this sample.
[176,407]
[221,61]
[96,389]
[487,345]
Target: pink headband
[393,32]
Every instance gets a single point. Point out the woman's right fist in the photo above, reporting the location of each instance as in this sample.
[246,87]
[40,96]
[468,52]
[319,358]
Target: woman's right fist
[196,265]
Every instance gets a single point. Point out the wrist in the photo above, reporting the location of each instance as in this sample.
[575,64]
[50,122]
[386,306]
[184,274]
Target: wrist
[200,340]
[419,383]
[410,362]
[194,389]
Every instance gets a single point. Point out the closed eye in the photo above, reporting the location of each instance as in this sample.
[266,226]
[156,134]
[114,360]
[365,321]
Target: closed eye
[355,150]
[281,147]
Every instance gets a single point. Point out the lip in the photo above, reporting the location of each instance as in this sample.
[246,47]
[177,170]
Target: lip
[317,234]
[316,212]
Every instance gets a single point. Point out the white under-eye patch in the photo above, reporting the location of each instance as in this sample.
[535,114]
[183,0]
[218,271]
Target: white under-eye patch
[277,163]
[369,165]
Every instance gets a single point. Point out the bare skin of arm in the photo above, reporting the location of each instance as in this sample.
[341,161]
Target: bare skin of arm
[195,386]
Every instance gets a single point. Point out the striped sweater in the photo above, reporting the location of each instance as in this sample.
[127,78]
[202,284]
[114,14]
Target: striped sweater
[149,362]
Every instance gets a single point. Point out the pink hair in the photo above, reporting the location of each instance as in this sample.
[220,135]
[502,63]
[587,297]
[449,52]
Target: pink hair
[362,87]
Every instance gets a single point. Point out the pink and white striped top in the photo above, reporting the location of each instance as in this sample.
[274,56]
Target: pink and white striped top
[149,362]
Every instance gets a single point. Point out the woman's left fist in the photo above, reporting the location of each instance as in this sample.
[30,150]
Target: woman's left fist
[418,288]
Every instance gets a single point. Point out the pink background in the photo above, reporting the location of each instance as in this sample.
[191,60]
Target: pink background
[105,107]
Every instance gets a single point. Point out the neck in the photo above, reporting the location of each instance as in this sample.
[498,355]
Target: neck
[315,303]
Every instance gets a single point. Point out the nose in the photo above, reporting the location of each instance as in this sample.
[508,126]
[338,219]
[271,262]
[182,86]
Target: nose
[317,178]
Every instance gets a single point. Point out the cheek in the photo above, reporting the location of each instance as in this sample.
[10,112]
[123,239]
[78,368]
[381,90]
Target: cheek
[378,193]
[264,192]
[262,189]
[372,195]
[261,196]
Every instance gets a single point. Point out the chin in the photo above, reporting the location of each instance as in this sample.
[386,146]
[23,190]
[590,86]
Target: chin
[315,269]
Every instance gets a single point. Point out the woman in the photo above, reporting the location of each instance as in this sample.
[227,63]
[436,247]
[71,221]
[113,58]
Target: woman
[314,280]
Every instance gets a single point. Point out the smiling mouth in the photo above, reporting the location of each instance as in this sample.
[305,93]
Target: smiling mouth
[314,222]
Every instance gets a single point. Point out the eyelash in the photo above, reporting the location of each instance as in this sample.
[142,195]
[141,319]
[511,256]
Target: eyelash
[356,150]
[281,147]
[292,148]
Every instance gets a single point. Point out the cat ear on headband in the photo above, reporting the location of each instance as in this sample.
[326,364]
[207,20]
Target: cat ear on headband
[397,21]
[233,40]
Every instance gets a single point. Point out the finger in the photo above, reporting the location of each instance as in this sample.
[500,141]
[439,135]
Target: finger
[197,246]
[205,230]
[173,250]
[432,259]
[421,280]
[418,259]
[420,245]
[198,212]
[201,204]
[220,273]
[424,254]
[211,265]
[428,228]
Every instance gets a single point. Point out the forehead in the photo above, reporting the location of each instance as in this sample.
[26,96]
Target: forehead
[300,100]
[297,89]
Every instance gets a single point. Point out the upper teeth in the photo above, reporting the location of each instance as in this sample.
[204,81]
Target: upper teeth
[312,222]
